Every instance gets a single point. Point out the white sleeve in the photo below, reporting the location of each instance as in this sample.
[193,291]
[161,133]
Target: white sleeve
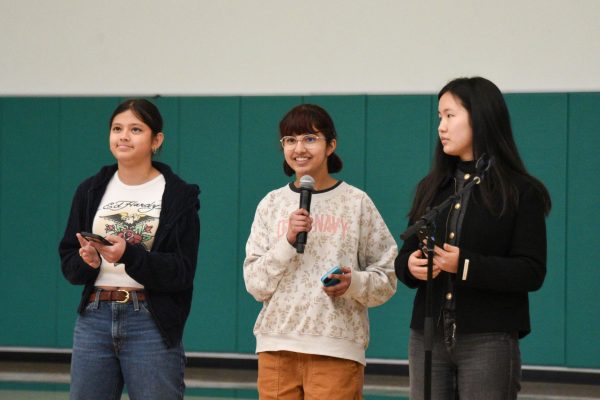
[264,266]
[375,282]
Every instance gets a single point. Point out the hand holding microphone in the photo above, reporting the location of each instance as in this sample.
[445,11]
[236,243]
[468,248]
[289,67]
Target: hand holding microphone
[300,221]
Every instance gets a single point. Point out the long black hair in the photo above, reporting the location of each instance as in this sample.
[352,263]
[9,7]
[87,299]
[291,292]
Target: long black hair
[493,136]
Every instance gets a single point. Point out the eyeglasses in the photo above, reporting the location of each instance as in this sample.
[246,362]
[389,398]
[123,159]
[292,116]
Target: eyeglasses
[308,141]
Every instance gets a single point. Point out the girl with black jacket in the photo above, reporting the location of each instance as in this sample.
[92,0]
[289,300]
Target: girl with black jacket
[490,250]
[138,288]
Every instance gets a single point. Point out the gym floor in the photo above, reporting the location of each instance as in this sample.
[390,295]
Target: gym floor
[49,381]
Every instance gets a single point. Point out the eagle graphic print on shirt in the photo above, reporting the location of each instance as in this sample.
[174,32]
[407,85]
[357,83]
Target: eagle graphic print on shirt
[136,225]
[133,213]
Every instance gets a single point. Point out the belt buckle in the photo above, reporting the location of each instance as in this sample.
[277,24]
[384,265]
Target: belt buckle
[126,296]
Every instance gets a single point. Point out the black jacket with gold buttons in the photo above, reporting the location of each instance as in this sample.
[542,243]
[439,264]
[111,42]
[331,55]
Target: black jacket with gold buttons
[501,260]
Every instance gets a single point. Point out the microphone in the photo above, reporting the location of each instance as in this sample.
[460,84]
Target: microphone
[307,184]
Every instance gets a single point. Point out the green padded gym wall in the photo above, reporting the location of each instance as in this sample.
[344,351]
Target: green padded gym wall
[228,145]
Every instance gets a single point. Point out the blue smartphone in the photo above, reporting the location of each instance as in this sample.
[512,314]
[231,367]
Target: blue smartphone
[327,281]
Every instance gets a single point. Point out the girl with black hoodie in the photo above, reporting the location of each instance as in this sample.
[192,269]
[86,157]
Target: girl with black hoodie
[138,279]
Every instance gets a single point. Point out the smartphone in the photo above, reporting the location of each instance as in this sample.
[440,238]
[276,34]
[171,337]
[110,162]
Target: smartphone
[327,281]
[95,238]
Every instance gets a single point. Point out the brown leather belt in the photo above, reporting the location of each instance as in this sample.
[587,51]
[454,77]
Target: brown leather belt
[120,296]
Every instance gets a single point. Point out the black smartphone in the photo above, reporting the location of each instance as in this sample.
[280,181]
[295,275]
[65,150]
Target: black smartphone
[95,238]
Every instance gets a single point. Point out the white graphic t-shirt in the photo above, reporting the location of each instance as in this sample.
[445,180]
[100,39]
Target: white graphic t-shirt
[131,212]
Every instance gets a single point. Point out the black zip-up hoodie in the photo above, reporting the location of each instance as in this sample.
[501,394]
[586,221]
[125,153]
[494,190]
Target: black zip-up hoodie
[167,271]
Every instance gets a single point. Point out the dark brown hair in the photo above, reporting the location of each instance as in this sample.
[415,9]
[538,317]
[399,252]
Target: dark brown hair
[310,118]
[146,111]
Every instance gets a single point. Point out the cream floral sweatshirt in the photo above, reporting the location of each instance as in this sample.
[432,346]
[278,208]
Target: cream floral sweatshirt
[297,315]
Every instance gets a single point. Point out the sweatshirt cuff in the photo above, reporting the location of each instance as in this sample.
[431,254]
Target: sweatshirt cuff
[356,284]
[283,251]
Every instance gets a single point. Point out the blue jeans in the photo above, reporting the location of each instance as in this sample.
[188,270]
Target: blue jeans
[119,344]
[479,366]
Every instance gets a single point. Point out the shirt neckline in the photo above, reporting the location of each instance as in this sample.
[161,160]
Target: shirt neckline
[293,188]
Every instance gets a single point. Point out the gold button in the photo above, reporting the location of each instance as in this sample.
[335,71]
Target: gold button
[448,296]
[457,206]
[467,176]
[451,235]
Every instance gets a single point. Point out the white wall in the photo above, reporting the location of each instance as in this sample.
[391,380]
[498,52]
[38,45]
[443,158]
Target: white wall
[230,47]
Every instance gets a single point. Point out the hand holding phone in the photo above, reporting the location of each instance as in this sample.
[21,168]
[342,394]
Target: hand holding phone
[92,237]
[327,281]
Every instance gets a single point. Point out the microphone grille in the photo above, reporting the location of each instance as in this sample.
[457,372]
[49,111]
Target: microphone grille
[307,182]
